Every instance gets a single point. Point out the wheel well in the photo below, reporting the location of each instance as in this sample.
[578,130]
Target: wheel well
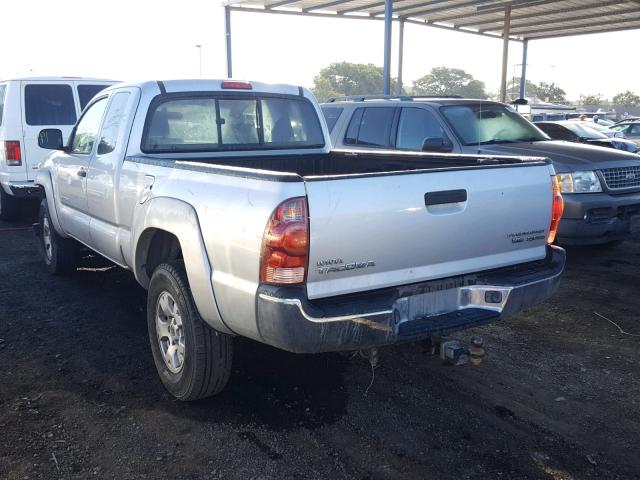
[162,247]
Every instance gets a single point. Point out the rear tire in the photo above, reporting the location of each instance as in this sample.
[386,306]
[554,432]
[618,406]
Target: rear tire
[60,254]
[192,359]
[9,206]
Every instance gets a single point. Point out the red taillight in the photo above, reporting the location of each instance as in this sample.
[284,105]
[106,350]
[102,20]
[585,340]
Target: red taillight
[285,244]
[236,85]
[557,208]
[12,153]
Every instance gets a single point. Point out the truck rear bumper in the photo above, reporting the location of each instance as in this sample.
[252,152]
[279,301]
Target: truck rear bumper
[288,320]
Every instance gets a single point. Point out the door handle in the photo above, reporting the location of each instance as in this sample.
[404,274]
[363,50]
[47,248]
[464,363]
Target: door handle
[445,196]
[82,173]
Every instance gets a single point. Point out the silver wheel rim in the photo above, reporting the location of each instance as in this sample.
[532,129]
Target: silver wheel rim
[46,238]
[170,332]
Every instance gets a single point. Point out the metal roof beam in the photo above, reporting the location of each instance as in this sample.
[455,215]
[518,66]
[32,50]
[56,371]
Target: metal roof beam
[446,27]
[476,13]
[323,6]
[428,11]
[564,20]
[526,16]
[584,32]
[360,8]
[534,31]
[281,3]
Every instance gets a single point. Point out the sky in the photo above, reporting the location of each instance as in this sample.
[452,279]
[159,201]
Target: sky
[144,39]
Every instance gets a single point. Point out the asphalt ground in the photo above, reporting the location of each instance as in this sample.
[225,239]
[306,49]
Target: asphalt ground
[557,397]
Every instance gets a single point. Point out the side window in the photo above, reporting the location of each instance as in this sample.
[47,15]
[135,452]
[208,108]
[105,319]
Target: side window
[49,105]
[113,123]
[87,92]
[351,137]
[562,133]
[331,115]
[634,130]
[86,131]
[417,124]
[3,89]
[375,127]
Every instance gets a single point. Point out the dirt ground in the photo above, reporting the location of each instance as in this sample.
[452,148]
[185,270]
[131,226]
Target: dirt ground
[558,396]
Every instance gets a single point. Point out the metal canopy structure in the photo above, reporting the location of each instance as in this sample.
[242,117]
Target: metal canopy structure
[508,20]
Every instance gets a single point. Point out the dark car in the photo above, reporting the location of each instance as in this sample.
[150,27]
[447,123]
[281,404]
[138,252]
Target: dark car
[601,186]
[579,132]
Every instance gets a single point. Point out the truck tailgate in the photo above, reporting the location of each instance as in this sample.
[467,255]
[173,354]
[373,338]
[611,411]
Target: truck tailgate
[381,230]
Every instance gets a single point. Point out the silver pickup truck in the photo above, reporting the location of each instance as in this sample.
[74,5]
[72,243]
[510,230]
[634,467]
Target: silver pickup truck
[226,202]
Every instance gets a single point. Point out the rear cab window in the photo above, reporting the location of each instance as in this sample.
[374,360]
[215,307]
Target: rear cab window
[201,123]
[49,104]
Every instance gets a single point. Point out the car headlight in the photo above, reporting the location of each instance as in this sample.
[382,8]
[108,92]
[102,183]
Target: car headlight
[579,182]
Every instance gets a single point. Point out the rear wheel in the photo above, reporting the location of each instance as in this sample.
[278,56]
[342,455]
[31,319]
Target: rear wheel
[192,359]
[9,206]
[60,254]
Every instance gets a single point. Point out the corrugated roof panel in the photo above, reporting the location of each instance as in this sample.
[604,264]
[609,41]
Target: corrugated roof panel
[529,18]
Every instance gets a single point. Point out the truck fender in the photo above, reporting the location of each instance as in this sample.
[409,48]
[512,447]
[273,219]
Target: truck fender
[181,220]
[43,179]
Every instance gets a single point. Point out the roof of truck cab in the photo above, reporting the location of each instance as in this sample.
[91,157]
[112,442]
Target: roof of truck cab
[214,85]
[49,79]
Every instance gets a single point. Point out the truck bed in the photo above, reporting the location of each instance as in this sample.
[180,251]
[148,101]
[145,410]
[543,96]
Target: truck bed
[339,162]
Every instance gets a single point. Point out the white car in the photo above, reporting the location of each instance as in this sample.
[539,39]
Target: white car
[27,106]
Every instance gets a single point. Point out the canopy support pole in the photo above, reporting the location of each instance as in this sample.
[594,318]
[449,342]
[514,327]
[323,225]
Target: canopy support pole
[227,34]
[523,75]
[400,54]
[388,20]
[505,52]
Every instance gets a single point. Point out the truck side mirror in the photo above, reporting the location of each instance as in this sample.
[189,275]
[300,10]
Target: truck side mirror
[436,144]
[51,139]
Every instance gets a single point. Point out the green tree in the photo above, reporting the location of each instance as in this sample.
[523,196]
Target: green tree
[346,78]
[597,99]
[513,88]
[551,92]
[443,81]
[628,99]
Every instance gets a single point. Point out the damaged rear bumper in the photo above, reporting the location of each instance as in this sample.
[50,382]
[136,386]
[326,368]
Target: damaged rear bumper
[288,320]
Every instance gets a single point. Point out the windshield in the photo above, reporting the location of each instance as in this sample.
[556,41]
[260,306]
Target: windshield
[204,123]
[584,131]
[484,124]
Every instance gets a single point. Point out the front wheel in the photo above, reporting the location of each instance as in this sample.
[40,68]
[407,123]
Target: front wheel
[192,359]
[60,254]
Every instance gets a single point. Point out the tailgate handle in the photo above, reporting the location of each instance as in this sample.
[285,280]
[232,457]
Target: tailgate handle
[445,196]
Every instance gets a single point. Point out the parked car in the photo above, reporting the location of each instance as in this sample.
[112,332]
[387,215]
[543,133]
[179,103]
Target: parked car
[225,201]
[601,186]
[581,132]
[603,129]
[630,129]
[28,105]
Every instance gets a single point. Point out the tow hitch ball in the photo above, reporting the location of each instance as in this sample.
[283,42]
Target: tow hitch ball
[452,352]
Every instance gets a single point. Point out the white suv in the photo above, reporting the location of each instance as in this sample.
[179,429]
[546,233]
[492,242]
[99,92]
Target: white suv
[27,107]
